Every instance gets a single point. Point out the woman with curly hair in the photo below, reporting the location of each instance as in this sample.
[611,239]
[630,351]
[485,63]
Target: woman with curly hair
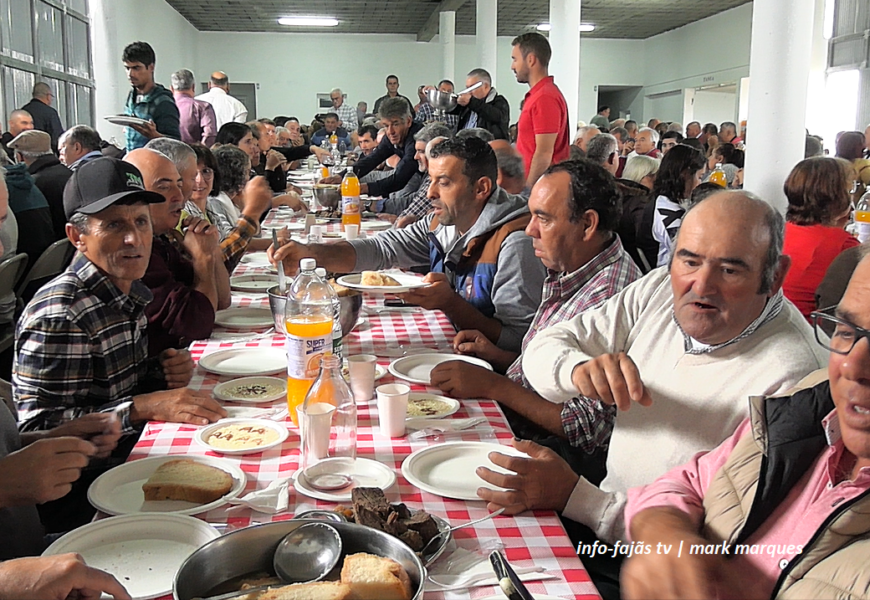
[818,209]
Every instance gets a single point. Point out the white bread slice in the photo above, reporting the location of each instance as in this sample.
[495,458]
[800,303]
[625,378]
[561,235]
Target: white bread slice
[372,577]
[187,480]
[321,590]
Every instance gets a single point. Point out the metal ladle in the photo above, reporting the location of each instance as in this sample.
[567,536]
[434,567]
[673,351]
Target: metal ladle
[306,554]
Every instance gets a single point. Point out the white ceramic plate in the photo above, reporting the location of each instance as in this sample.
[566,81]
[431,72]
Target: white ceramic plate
[448,469]
[143,552]
[417,367]
[374,225]
[203,434]
[118,491]
[244,318]
[452,403]
[254,283]
[406,282]
[253,259]
[125,120]
[245,361]
[223,391]
[365,473]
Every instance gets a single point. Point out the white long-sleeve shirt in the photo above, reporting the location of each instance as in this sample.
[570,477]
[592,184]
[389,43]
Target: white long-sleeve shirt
[226,108]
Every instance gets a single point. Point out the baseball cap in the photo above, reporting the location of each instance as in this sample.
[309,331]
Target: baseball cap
[32,140]
[100,183]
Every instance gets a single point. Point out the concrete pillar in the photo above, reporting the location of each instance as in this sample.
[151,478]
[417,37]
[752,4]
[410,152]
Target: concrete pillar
[487,28]
[779,68]
[818,72]
[447,35]
[565,63]
[109,75]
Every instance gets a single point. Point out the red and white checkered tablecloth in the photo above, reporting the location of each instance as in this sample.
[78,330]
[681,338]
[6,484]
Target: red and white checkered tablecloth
[530,539]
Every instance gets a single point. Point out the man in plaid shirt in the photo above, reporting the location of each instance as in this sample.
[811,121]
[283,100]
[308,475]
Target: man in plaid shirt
[80,344]
[347,116]
[575,209]
[426,112]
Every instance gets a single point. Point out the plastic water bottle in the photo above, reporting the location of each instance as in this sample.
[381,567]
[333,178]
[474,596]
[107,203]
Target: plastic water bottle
[308,317]
[337,344]
[862,217]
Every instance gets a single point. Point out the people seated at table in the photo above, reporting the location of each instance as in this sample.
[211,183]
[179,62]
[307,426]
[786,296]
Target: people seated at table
[273,161]
[78,145]
[330,128]
[511,170]
[398,141]
[792,481]
[819,207]
[186,274]
[483,273]
[575,209]
[688,343]
[833,286]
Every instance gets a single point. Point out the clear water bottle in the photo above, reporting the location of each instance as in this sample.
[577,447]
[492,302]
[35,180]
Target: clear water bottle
[862,217]
[308,317]
[337,345]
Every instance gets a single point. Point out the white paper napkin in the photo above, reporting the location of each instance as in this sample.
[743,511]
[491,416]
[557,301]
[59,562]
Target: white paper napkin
[466,569]
[271,500]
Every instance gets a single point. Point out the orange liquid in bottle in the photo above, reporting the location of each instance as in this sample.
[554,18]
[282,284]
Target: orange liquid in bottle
[351,210]
[311,327]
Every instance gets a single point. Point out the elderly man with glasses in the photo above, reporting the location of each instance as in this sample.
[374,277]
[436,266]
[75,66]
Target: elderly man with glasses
[347,116]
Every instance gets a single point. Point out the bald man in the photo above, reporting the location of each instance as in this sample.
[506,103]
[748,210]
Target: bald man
[226,108]
[186,273]
[45,117]
[19,121]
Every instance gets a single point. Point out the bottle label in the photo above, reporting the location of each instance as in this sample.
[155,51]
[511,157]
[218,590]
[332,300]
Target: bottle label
[862,216]
[350,205]
[304,354]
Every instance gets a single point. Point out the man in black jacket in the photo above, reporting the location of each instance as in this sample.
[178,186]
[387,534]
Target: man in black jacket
[33,148]
[45,118]
[484,107]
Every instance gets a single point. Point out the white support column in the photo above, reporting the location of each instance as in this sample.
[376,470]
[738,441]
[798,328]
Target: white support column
[487,28]
[818,72]
[447,35]
[565,63]
[779,68]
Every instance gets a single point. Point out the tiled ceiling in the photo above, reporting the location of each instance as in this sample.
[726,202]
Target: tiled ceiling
[637,19]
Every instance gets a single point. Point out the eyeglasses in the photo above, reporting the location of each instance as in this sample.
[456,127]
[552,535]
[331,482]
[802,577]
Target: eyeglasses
[836,334]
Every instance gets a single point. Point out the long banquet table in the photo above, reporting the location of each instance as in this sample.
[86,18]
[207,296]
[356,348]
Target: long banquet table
[536,538]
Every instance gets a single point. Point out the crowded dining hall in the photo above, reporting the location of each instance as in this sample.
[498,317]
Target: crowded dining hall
[461,300]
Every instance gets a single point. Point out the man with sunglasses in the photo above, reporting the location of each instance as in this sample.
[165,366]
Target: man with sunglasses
[788,494]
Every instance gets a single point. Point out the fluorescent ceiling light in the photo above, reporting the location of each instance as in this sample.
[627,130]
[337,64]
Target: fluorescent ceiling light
[584,27]
[309,21]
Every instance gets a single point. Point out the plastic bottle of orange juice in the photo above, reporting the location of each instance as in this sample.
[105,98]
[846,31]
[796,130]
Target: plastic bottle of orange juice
[308,318]
[350,203]
[718,176]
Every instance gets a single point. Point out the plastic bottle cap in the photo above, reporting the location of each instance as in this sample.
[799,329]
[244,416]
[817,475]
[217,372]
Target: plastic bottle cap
[321,272]
[307,264]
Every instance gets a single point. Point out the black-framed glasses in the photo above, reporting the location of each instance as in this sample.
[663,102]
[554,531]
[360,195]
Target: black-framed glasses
[836,334]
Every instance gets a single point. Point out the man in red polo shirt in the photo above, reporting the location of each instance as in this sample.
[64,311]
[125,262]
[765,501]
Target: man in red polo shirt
[543,138]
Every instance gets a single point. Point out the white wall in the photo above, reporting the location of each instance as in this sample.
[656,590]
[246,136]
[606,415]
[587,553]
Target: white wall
[714,107]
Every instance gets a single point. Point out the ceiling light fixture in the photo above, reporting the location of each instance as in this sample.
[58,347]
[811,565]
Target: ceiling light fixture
[308,21]
[584,27]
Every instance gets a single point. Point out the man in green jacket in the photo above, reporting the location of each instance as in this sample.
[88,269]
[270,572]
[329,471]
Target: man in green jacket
[147,100]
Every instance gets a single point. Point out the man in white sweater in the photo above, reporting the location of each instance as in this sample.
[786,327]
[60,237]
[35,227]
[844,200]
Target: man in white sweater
[689,343]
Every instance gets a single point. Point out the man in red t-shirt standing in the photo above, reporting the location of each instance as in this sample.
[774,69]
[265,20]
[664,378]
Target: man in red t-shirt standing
[543,138]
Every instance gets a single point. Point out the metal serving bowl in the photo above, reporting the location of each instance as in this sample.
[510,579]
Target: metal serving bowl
[327,195]
[441,100]
[350,307]
[250,550]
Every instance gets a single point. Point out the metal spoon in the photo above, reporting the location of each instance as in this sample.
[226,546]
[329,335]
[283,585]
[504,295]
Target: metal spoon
[430,545]
[282,281]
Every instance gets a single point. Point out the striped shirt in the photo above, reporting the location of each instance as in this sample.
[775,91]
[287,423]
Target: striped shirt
[565,296]
[80,347]
[420,204]
[426,114]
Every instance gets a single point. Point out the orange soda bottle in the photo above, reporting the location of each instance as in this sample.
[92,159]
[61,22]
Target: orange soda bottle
[718,176]
[350,202]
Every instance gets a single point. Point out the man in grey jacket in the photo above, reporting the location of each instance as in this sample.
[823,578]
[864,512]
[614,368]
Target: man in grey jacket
[483,270]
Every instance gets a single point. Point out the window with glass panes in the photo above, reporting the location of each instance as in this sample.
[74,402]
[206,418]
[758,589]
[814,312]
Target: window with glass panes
[47,40]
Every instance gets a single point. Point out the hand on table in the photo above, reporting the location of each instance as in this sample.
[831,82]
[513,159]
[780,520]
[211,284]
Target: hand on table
[472,342]
[613,379]
[56,578]
[331,180]
[177,406]
[459,379]
[103,430]
[542,481]
[177,367]
[438,294]
[290,199]
[43,470]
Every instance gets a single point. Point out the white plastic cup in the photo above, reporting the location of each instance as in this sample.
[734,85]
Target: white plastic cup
[392,409]
[351,231]
[310,220]
[315,424]
[362,376]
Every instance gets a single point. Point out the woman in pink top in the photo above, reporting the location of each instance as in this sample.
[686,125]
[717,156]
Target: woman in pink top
[818,208]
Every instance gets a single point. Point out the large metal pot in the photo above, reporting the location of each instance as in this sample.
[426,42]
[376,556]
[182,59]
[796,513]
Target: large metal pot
[350,307]
[328,195]
[441,100]
[250,550]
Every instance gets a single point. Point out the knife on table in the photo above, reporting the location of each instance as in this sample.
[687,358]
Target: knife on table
[508,580]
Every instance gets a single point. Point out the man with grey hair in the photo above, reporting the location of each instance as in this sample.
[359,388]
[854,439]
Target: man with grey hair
[395,115]
[79,144]
[678,352]
[603,149]
[484,107]
[645,142]
[584,134]
[33,148]
[197,119]
[227,109]
[728,133]
[676,127]
[347,116]
[693,129]
[45,117]
[19,120]
[511,170]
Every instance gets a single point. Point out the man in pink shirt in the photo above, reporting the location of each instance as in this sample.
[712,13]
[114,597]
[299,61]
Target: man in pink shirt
[781,508]
[543,137]
[197,120]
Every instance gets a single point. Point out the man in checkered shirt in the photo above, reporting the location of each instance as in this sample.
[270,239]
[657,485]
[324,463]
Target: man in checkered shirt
[347,116]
